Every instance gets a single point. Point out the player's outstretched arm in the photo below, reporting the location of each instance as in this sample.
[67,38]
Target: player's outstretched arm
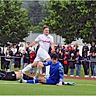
[52,48]
[31,44]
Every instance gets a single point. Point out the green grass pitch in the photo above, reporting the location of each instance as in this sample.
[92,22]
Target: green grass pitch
[83,88]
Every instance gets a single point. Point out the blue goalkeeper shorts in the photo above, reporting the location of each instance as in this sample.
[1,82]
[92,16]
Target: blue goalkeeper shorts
[50,81]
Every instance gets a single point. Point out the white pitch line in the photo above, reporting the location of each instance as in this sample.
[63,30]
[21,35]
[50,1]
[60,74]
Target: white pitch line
[9,83]
[87,84]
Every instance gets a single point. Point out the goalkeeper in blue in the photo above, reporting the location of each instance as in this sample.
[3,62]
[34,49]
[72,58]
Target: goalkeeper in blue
[56,76]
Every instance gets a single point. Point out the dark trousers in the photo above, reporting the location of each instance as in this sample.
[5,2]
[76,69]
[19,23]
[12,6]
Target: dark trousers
[92,65]
[66,68]
[2,64]
[17,64]
[7,65]
[86,67]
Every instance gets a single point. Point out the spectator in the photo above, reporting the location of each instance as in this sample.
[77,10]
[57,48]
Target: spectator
[25,58]
[17,60]
[93,65]
[78,64]
[85,62]
[72,64]
[66,63]
[8,58]
[2,59]
[61,56]
[32,56]
[92,48]
[85,50]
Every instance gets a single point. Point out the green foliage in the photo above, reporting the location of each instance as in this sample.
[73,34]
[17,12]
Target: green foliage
[37,11]
[14,24]
[73,19]
[36,29]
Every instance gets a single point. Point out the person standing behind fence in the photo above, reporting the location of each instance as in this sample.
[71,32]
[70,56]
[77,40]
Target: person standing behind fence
[61,56]
[85,60]
[92,48]
[92,57]
[78,64]
[85,63]
[66,63]
[17,60]
[85,50]
[2,59]
[28,55]
[72,64]
[8,57]
[25,58]
[93,65]
[32,56]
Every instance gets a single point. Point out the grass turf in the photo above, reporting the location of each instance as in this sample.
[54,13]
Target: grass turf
[83,87]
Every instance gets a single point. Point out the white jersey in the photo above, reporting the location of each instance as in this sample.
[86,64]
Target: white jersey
[44,41]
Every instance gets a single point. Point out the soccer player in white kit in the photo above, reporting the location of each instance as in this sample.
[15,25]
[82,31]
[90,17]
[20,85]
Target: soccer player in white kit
[45,41]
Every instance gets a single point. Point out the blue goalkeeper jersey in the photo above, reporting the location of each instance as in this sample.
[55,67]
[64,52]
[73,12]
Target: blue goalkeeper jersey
[56,71]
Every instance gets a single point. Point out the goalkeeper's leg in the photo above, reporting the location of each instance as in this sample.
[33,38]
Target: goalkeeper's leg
[69,83]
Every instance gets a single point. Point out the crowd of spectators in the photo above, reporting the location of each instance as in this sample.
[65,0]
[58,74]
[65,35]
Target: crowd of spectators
[16,54]
[73,61]
[69,56]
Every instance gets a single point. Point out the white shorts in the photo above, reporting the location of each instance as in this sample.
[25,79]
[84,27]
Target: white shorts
[42,55]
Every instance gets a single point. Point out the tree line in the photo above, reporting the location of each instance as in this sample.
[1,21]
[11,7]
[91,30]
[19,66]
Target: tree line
[67,18]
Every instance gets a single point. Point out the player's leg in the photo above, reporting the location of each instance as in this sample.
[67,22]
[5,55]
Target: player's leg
[27,79]
[44,56]
[69,83]
[41,56]
[18,75]
[9,76]
[2,74]
[47,81]
[35,80]
[29,66]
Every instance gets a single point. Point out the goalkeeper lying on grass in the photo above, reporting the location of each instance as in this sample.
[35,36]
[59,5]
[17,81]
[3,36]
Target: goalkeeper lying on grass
[56,73]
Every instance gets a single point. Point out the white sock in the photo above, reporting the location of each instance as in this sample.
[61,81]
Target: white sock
[27,68]
[34,79]
[24,81]
[65,83]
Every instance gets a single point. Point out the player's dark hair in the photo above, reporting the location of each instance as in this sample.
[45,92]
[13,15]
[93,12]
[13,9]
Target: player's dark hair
[54,56]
